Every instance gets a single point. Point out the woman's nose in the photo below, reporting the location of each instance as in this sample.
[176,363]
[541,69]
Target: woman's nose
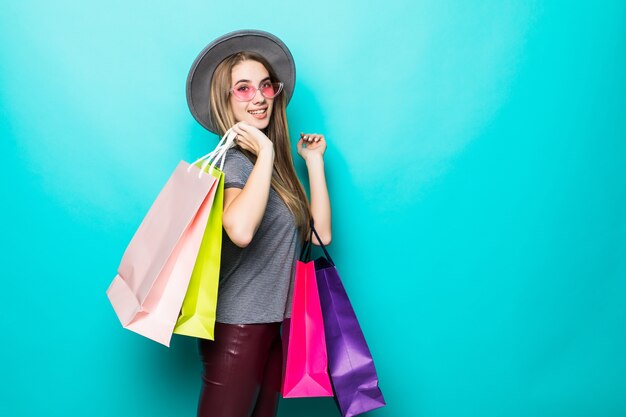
[260,99]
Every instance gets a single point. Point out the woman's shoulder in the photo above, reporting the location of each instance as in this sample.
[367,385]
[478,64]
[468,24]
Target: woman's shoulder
[235,152]
[237,157]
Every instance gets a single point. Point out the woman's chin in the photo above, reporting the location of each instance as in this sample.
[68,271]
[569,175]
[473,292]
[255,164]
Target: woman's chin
[259,124]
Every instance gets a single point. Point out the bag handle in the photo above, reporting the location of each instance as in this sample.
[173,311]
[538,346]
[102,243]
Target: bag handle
[309,243]
[218,154]
[306,249]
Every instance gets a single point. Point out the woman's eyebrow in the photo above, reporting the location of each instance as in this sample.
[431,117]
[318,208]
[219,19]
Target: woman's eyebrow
[248,81]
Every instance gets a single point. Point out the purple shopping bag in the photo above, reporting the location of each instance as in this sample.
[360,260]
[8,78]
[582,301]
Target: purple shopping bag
[352,371]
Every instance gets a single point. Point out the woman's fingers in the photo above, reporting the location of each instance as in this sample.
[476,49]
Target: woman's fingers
[241,138]
[242,135]
[311,137]
[237,130]
[311,143]
[242,126]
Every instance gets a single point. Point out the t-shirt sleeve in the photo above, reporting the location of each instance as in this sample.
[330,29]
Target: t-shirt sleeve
[237,169]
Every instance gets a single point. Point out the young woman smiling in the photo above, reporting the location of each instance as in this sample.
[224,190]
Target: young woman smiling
[244,80]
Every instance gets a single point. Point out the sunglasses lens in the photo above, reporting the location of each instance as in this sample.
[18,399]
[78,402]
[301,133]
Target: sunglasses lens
[271,90]
[244,92]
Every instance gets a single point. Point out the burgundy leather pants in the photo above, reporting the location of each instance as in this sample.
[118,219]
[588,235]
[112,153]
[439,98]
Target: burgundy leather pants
[242,371]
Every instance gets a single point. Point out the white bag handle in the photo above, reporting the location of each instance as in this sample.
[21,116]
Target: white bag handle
[218,154]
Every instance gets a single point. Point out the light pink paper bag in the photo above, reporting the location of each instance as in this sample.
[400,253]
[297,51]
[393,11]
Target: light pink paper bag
[152,279]
[306,363]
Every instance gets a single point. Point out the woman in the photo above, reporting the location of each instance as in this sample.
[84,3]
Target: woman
[250,77]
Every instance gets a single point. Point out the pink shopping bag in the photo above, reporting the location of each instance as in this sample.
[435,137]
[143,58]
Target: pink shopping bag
[306,365]
[154,273]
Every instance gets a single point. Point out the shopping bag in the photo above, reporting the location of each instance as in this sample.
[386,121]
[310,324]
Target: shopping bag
[306,366]
[352,371]
[197,317]
[154,273]
[153,277]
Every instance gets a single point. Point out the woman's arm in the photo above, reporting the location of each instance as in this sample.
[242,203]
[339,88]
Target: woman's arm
[244,208]
[313,155]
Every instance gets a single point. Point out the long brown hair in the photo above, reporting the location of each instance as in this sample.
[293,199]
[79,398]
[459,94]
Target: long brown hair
[284,179]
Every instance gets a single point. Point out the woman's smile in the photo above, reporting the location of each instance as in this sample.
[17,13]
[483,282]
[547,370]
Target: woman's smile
[259,113]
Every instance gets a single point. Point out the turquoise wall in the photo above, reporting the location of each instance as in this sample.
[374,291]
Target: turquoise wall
[477,172]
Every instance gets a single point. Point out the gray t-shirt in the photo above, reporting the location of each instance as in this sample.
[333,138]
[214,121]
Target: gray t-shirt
[256,282]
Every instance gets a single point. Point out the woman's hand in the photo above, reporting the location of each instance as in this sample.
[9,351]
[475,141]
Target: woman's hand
[315,145]
[252,139]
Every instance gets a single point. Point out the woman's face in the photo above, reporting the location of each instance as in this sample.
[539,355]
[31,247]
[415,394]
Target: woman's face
[256,112]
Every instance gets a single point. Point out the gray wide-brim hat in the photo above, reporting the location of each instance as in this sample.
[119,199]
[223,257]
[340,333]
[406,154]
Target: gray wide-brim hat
[201,73]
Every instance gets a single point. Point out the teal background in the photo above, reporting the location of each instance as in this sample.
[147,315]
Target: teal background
[477,170]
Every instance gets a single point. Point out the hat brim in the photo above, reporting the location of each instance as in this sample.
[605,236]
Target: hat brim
[202,69]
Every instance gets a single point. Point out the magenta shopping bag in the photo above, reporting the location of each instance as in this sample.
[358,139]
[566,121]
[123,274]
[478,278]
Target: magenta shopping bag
[154,273]
[352,370]
[306,364]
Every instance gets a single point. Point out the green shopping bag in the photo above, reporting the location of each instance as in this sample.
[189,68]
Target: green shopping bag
[197,316]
